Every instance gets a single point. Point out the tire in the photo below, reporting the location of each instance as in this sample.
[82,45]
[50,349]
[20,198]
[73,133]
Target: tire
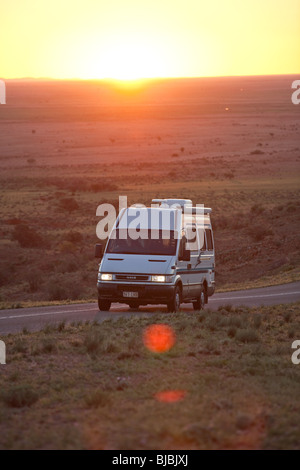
[200,302]
[174,305]
[104,305]
[134,304]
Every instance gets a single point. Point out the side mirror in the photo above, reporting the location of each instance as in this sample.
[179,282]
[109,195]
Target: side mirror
[186,256]
[98,250]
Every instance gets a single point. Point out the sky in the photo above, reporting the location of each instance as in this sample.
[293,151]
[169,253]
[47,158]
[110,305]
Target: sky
[133,39]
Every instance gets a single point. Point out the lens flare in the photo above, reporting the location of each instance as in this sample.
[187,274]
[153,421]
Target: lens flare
[170,396]
[159,338]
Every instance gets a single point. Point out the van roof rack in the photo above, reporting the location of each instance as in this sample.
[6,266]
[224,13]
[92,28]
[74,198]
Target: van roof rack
[184,204]
[173,202]
[198,210]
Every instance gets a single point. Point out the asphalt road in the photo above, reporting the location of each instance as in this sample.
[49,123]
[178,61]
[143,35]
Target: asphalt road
[35,318]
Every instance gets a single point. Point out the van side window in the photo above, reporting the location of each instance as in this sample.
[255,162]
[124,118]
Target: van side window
[210,245]
[201,239]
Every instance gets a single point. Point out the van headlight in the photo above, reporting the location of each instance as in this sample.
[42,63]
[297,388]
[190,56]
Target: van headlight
[106,277]
[160,278]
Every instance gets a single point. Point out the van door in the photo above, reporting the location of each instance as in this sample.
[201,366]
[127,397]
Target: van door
[206,265]
[182,267]
[210,256]
[194,275]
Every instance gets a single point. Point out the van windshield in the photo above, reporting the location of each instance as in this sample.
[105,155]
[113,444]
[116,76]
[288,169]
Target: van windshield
[143,246]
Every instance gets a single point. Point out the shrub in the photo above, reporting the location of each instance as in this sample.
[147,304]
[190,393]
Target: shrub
[201,317]
[291,208]
[20,346]
[111,348]
[97,398]
[48,329]
[74,237]
[60,288]
[48,346]
[222,222]
[243,422]
[68,265]
[247,336]
[14,377]
[34,280]
[229,175]
[228,307]
[259,232]
[235,321]
[68,204]
[257,209]
[257,321]
[93,341]
[5,274]
[67,247]
[287,316]
[291,333]
[231,332]
[212,325]
[14,221]
[20,396]
[61,326]
[125,355]
[134,344]
[102,186]
[56,291]
[76,184]
[27,237]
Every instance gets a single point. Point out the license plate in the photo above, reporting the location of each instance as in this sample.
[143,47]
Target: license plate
[131,294]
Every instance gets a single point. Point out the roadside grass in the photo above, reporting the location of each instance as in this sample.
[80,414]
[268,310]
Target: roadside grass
[46,303]
[283,277]
[228,383]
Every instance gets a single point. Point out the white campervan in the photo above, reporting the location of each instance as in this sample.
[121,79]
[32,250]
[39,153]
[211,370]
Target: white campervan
[167,258]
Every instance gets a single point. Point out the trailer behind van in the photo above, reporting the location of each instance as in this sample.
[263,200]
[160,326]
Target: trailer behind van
[158,255]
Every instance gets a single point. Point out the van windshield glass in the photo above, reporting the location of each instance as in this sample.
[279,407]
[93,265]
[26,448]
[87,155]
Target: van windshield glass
[143,246]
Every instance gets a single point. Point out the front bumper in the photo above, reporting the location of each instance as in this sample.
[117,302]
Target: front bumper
[147,294]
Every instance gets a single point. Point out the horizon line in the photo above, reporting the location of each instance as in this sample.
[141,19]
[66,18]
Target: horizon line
[111,79]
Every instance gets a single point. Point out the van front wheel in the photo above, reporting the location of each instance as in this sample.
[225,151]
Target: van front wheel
[134,304]
[174,305]
[200,302]
[104,305]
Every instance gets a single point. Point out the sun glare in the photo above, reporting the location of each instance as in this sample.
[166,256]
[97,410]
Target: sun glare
[131,61]
[148,39]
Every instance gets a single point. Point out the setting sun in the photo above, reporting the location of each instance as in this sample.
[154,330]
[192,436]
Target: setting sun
[131,60]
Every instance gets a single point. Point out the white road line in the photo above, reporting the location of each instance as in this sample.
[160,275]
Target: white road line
[255,296]
[46,313]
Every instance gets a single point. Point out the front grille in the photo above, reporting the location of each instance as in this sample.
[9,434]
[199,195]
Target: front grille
[131,277]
